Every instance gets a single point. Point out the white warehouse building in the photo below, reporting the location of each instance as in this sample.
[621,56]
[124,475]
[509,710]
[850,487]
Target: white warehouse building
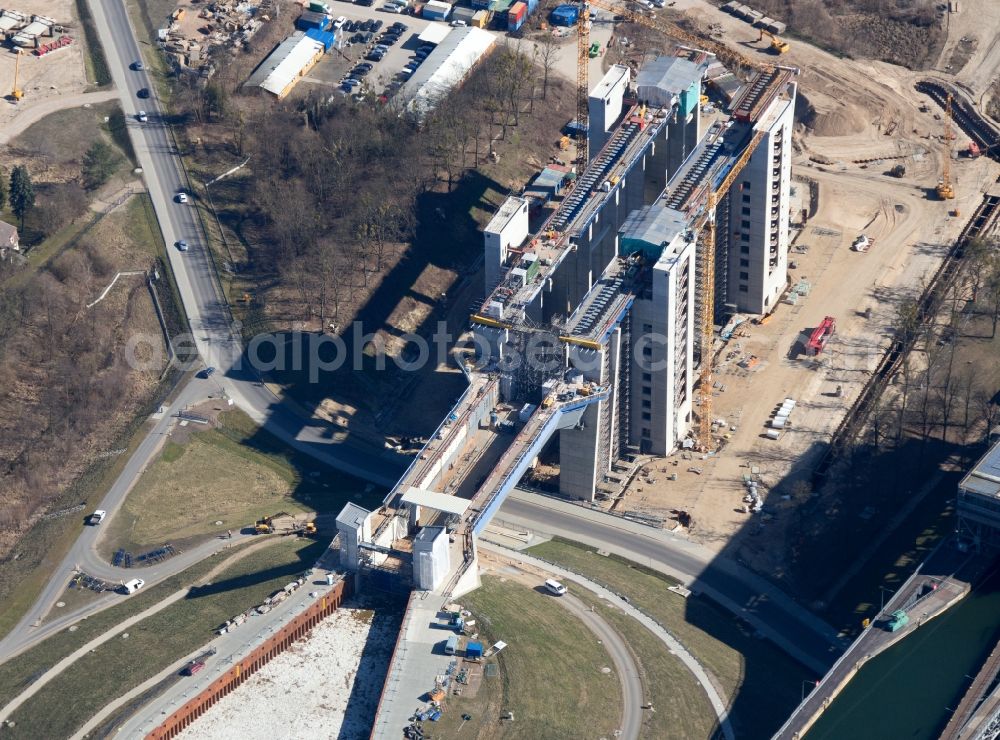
[286,65]
[446,67]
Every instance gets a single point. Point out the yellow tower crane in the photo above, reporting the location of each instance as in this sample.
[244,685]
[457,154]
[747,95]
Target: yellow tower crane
[17,93]
[707,287]
[944,189]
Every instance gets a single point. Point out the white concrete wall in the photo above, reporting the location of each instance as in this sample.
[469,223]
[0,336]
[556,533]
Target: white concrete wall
[755,284]
[498,237]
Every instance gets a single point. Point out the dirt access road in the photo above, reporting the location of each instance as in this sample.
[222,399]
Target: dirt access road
[854,111]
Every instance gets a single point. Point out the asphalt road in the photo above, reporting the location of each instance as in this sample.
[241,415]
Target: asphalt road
[772,613]
[625,666]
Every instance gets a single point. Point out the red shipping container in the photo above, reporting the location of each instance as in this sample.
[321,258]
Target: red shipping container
[517,11]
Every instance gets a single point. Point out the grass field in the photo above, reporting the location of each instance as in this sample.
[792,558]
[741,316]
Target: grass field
[762,684]
[17,673]
[229,474]
[119,665]
[682,707]
[550,676]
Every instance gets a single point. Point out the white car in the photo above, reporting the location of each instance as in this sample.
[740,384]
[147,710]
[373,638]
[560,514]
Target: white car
[861,244]
[392,8]
[97,517]
[339,22]
[182,197]
[141,115]
[458,24]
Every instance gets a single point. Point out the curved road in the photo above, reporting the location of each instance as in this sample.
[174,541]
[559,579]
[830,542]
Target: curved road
[624,663]
[773,613]
[31,114]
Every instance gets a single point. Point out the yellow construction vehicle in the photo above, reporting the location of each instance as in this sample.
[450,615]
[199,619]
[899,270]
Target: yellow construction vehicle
[283,523]
[944,189]
[17,93]
[778,46]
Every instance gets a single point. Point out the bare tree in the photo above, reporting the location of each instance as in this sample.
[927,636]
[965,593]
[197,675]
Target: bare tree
[548,51]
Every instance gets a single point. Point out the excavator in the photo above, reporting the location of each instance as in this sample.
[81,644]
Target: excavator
[778,46]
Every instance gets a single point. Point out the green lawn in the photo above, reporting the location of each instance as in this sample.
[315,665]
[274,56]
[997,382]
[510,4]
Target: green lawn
[17,673]
[235,474]
[681,706]
[121,664]
[762,684]
[550,677]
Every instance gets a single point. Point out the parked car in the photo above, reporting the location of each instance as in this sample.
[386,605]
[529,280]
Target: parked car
[375,55]
[458,24]
[130,587]
[392,8]
[399,26]
[421,55]
[366,3]
[141,116]
[365,65]
[426,47]
[368,25]
[97,517]
[352,82]
[390,40]
[182,245]
[376,25]
[208,372]
[143,92]
[193,667]
[339,23]
[368,36]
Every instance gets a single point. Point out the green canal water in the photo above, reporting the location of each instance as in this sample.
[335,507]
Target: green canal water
[906,692]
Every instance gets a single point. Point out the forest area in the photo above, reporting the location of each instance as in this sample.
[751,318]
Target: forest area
[365,212]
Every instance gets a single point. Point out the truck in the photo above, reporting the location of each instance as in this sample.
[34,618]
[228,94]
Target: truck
[897,620]
[284,523]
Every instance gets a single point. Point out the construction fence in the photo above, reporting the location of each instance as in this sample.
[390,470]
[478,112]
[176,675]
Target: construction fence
[295,630]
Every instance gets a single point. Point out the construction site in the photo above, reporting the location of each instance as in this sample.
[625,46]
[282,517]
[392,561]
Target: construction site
[43,55]
[685,319]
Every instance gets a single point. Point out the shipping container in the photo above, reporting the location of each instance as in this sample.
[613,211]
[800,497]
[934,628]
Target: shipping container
[463,14]
[564,15]
[327,38]
[435,10]
[312,19]
[532,6]
[480,18]
[516,15]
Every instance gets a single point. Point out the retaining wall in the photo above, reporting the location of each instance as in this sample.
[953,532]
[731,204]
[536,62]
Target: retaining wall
[295,630]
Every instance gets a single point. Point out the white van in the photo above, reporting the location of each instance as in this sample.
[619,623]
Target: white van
[555,588]
[130,587]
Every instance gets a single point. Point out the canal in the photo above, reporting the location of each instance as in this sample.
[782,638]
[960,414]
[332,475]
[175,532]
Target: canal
[906,692]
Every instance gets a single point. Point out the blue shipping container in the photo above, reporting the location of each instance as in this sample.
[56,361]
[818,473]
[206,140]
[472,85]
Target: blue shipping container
[310,19]
[514,24]
[565,15]
[327,38]
[532,5]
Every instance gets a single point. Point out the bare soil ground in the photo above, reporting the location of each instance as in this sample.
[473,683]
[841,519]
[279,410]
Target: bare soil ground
[849,112]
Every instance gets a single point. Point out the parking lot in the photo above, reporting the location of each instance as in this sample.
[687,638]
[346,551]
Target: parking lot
[338,63]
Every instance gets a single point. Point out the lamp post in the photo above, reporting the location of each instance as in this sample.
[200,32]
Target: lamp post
[806,682]
[883,589]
